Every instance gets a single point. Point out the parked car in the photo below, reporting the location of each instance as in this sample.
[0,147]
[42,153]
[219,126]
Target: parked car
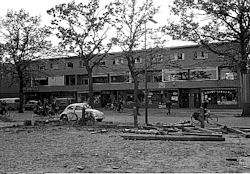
[74,112]
[64,102]
[12,103]
[30,105]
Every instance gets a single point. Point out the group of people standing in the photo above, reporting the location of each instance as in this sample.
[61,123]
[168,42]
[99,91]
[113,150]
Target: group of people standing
[45,108]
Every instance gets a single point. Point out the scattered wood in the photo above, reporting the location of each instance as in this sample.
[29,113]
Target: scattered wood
[198,134]
[231,159]
[235,130]
[141,131]
[187,129]
[80,167]
[243,128]
[176,125]
[171,137]
[204,130]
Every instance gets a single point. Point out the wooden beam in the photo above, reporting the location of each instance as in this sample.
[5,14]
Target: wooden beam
[204,130]
[235,130]
[171,137]
[196,134]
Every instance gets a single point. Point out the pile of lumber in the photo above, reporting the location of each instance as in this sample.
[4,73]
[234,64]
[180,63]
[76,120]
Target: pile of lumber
[183,131]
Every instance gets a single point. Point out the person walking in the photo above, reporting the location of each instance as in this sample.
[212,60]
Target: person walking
[168,106]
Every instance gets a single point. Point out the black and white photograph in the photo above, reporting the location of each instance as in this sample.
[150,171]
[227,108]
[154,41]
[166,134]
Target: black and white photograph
[124,86]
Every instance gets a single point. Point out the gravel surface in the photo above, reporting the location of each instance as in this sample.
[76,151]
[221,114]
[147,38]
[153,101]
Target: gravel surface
[74,149]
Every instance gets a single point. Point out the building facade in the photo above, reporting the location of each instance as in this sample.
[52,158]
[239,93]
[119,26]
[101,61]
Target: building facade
[195,75]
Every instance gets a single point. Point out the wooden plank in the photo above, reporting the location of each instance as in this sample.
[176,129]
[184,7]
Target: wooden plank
[234,130]
[171,137]
[241,127]
[204,130]
[196,134]
[176,126]
[190,130]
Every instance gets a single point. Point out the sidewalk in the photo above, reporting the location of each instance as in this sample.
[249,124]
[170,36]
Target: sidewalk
[226,116]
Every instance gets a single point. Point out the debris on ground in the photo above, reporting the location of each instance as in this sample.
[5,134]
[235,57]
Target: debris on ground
[182,131]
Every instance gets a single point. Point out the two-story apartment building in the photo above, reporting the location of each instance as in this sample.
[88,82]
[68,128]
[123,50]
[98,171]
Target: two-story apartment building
[198,75]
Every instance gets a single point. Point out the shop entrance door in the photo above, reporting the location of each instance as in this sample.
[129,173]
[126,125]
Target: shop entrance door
[197,100]
[184,98]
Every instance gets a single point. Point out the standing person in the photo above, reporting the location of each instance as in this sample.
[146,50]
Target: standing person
[54,107]
[45,107]
[38,107]
[168,106]
[119,104]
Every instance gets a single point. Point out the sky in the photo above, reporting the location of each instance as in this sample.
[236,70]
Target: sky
[39,7]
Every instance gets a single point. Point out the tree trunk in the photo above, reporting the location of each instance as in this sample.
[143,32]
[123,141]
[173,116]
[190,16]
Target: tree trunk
[246,95]
[136,85]
[21,95]
[91,90]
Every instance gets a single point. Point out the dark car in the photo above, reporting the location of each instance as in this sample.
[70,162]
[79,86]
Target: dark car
[30,105]
[62,103]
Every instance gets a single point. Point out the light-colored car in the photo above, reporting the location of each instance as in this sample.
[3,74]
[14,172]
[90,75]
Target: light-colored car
[11,103]
[74,112]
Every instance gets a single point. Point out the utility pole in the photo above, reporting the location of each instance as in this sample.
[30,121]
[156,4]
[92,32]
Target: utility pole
[145,76]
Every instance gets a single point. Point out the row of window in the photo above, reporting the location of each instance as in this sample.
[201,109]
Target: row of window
[119,61]
[155,76]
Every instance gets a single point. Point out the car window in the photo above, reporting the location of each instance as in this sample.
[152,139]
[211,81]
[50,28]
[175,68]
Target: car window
[70,108]
[78,108]
[87,106]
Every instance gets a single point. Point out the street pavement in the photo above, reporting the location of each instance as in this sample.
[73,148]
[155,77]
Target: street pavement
[229,117]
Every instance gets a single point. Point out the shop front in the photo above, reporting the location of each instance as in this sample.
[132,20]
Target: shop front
[221,98]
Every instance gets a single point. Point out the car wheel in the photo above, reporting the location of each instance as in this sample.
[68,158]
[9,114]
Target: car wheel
[99,119]
[64,118]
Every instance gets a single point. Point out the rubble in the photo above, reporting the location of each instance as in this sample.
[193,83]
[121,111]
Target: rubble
[182,131]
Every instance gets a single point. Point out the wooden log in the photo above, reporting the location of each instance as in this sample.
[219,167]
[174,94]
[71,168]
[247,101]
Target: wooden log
[234,130]
[171,137]
[246,135]
[190,130]
[241,127]
[202,134]
[204,130]
[195,134]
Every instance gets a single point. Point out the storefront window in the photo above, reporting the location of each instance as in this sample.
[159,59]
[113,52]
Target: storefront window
[119,78]
[172,75]
[221,97]
[102,79]
[189,74]
[203,74]
[70,80]
[226,73]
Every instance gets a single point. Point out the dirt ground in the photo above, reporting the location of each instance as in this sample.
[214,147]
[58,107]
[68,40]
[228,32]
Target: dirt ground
[70,149]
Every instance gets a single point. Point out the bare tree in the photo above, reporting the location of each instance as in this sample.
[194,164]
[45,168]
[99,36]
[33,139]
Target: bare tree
[82,30]
[130,18]
[221,26]
[23,40]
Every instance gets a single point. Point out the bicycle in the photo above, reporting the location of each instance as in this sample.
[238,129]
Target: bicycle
[208,117]
[5,116]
